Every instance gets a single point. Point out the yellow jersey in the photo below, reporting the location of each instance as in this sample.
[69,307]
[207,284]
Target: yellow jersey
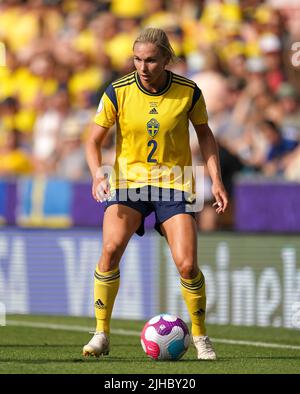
[152,141]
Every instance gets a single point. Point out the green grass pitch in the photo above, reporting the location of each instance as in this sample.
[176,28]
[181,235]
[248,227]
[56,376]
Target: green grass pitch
[29,345]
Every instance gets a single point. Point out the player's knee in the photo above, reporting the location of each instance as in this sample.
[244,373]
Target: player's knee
[110,251]
[187,269]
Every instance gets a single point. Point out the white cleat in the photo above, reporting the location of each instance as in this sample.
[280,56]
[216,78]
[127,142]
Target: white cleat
[204,348]
[98,345]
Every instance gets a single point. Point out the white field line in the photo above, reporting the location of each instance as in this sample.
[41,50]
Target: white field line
[66,327]
[120,331]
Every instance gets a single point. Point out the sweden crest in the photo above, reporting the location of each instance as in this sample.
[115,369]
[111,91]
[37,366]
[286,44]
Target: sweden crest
[152,127]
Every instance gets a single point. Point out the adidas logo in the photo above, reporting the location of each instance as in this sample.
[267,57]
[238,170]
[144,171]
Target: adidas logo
[199,312]
[99,304]
[153,111]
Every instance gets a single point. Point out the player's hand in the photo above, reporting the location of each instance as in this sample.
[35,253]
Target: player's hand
[220,195]
[101,189]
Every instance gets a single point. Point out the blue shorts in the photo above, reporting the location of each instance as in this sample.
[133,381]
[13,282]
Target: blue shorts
[164,202]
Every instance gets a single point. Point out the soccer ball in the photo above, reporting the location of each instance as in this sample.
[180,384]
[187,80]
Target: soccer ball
[165,337]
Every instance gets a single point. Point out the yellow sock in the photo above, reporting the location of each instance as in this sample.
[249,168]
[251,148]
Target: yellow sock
[106,286]
[193,291]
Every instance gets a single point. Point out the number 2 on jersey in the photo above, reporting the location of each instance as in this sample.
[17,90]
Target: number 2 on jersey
[154,147]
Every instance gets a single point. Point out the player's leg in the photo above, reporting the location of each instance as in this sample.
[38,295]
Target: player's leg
[181,234]
[119,224]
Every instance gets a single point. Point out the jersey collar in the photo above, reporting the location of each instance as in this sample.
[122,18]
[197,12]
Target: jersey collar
[160,92]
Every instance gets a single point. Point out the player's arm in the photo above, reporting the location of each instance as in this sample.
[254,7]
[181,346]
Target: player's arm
[208,147]
[94,141]
[104,119]
[209,151]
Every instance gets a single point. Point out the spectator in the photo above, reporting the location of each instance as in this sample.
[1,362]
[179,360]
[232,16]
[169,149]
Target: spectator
[271,49]
[71,163]
[278,148]
[289,103]
[14,160]
[237,52]
[46,131]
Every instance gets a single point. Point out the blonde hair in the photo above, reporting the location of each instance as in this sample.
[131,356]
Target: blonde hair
[159,38]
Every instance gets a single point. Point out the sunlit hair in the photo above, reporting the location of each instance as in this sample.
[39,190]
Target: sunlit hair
[159,38]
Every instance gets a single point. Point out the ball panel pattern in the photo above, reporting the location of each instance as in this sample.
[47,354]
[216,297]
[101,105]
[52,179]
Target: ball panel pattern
[165,337]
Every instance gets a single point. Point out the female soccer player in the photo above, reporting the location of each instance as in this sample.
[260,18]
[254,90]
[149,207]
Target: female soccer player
[152,108]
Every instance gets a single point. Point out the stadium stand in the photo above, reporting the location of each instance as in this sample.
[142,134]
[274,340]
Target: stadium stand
[59,56]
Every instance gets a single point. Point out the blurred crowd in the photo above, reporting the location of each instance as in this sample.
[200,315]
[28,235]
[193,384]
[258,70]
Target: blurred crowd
[58,56]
